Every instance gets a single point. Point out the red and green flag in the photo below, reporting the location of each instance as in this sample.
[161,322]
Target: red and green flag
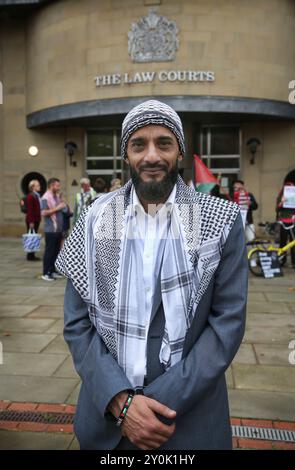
[204,180]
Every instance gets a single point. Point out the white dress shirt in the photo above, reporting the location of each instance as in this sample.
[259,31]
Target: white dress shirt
[151,232]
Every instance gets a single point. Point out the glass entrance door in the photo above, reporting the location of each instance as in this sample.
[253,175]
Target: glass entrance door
[221,152]
[103,155]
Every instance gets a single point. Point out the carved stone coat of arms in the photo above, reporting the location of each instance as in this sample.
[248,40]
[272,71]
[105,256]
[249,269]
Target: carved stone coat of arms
[153,39]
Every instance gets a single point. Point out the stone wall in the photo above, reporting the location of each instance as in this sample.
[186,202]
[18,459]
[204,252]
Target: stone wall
[247,44]
[52,58]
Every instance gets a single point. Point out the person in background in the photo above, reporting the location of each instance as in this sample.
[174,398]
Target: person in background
[190,184]
[100,186]
[52,210]
[67,214]
[215,191]
[115,184]
[248,204]
[33,216]
[83,198]
[287,216]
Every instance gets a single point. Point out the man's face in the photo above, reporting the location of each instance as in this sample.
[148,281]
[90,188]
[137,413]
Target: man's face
[55,187]
[37,187]
[153,155]
[238,187]
[85,187]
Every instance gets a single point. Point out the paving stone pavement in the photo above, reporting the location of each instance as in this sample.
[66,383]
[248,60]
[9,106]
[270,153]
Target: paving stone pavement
[11,440]
[37,366]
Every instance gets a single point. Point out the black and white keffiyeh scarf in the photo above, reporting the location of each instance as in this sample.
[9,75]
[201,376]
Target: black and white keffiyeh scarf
[97,257]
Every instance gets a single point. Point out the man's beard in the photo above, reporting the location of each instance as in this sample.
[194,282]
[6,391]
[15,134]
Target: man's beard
[154,191]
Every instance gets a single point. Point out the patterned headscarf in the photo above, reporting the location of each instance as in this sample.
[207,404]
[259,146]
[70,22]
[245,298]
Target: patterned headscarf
[151,112]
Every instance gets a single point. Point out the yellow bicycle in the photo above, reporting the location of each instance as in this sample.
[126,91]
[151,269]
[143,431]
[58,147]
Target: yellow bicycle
[265,246]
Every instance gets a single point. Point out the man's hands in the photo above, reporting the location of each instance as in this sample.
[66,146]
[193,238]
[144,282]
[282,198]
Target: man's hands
[60,206]
[143,428]
[141,425]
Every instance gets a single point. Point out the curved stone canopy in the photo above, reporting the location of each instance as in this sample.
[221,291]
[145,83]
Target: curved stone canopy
[243,107]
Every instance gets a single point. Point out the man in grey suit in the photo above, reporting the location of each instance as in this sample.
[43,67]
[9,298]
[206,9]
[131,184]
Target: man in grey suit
[155,300]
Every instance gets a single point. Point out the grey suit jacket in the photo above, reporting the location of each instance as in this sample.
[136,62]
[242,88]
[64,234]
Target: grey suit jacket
[195,387]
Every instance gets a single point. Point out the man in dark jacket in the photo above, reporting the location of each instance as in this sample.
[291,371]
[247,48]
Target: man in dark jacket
[155,300]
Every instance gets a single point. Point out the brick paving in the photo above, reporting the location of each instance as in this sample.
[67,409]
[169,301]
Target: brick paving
[37,371]
[238,443]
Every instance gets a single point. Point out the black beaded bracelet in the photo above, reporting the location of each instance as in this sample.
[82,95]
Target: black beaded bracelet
[125,408]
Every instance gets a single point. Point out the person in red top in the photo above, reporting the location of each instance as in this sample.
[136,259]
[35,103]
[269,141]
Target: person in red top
[287,216]
[33,216]
[247,203]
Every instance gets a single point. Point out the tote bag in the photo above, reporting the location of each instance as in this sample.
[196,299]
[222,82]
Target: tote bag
[31,241]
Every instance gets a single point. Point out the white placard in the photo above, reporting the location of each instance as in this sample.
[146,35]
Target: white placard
[289,195]
[224,182]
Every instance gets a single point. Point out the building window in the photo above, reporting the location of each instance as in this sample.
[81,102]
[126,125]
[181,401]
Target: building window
[103,155]
[221,150]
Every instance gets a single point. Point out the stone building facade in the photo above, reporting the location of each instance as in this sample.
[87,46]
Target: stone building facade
[71,70]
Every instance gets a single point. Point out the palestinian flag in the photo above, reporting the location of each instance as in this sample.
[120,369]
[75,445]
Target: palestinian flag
[203,178]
